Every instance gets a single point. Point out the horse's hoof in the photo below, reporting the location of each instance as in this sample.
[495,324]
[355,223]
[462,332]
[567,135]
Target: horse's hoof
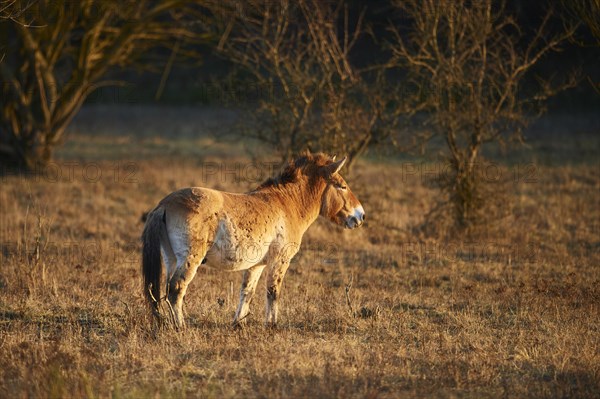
[271,326]
[238,325]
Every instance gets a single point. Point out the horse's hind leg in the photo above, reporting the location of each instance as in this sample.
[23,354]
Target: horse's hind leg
[249,282]
[178,284]
[170,262]
[189,257]
[189,251]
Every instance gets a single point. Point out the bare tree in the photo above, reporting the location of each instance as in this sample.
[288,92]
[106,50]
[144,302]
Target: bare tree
[310,95]
[468,62]
[57,53]
[10,9]
[586,11]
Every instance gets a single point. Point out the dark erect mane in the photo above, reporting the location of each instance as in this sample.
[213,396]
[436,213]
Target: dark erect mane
[291,171]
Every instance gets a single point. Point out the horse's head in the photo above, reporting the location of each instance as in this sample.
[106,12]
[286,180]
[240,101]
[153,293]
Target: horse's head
[338,204]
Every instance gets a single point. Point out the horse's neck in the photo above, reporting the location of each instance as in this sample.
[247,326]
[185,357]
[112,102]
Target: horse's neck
[300,201]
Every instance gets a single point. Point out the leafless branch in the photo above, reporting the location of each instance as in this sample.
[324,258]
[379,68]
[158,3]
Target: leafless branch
[50,70]
[468,63]
[299,52]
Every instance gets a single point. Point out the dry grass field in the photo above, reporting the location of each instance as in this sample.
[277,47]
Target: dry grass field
[508,311]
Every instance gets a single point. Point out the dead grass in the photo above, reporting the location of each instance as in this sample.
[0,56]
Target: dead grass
[509,311]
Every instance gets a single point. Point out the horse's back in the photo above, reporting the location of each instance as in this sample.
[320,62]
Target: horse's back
[192,200]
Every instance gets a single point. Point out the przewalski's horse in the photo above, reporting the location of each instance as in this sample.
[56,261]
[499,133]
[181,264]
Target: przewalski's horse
[253,231]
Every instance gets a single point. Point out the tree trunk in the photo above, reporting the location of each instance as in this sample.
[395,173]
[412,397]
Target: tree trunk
[24,155]
[37,156]
[464,193]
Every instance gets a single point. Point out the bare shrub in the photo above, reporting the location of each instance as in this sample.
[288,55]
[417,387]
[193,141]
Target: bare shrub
[468,63]
[299,55]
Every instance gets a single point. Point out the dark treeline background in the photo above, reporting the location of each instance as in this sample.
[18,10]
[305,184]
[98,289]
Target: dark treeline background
[335,76]
[197,82]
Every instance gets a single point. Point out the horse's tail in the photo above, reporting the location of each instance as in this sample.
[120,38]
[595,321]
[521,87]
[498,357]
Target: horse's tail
[151,256]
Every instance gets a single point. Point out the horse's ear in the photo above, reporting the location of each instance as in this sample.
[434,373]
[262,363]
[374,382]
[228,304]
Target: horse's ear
[335,167]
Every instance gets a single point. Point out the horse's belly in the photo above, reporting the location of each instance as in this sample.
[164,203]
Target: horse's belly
[230,252]
[232,258]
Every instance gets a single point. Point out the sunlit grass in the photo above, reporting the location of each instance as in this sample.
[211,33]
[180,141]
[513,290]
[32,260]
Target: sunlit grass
[511,310]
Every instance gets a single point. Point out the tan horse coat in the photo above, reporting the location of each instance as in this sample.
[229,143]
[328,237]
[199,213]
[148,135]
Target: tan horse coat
[262,228]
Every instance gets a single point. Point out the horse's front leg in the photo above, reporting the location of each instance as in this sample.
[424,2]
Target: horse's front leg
[249,282]
[274,284]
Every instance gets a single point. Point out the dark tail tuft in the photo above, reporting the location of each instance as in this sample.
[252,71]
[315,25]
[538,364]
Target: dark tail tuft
[151,257]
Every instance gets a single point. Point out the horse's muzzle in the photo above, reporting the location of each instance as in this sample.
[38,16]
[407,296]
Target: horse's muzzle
[356,219]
